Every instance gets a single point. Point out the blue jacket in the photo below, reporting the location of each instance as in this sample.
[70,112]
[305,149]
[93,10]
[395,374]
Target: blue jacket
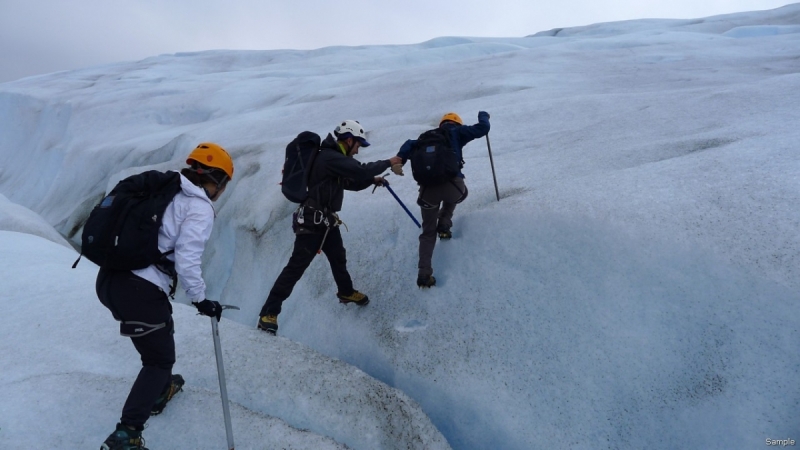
[460,135]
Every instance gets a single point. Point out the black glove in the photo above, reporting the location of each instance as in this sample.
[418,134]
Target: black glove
[209,308]
[484,112]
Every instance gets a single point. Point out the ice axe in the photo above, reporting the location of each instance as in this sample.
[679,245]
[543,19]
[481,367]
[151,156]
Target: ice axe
[491,161]
[391,191]
[223,390]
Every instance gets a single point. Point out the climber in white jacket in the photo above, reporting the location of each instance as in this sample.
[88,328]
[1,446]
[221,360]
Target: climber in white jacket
[138,298]
[186,227]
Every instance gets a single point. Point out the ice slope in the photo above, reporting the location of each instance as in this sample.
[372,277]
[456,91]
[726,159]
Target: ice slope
[66,374]
[636,285]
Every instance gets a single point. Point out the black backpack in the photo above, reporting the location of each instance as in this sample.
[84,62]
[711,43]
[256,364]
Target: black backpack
[300,155]
[433,160]
[121,232]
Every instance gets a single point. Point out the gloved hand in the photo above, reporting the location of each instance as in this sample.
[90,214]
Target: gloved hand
[397,169]
[209,308]
[484,112]
[380,181]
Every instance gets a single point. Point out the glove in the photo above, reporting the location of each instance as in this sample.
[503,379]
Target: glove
[380,181]
[397,169]
[484,112]
[209,308]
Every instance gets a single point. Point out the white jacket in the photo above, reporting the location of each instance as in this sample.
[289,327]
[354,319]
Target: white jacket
[186,228]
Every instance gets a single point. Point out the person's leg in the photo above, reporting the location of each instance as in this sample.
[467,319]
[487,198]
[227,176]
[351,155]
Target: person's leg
[158,356]
[452,194]
[429,201]
[305,248]
[133,299]
[337,258]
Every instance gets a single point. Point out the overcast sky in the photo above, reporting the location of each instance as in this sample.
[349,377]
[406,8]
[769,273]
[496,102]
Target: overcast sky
[42,36]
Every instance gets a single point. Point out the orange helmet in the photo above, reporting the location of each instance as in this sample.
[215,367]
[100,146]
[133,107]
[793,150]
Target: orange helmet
[453,117]
[212,155]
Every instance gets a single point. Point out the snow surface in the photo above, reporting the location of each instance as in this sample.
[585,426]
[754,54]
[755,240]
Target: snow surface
[636,286]
[67,373]
[14,217]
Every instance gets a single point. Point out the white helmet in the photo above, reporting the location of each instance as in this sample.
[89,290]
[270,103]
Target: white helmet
[351,128]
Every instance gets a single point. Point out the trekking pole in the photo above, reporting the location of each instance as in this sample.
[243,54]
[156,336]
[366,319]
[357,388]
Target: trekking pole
[223,390]
[491,161]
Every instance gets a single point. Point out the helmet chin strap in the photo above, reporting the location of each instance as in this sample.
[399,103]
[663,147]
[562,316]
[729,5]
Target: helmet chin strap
[219,188]
[352,145]
[210,174]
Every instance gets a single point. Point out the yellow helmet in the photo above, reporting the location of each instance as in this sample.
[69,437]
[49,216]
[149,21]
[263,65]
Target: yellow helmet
[212,155]
[453,117]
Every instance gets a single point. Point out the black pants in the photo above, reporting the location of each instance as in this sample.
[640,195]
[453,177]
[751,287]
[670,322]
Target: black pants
[131,298]
[305,248]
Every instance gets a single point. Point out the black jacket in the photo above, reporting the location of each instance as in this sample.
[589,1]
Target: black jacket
[332,172]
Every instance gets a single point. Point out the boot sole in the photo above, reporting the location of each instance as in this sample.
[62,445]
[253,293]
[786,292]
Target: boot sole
[432,283]
[271,331]
[361,303]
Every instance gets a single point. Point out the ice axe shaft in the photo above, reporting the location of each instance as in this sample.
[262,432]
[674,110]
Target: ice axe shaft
[491,161]
[401,204]
[223,390]
[391,191]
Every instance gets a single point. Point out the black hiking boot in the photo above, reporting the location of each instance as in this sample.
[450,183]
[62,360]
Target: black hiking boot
[123,438]
[356,297]
[175,386]
[444,232]
[426,282]
[268,323]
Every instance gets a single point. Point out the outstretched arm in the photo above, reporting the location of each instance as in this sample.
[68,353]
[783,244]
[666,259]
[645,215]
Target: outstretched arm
[357,176]
[467,133]
[402,155]
[405,150]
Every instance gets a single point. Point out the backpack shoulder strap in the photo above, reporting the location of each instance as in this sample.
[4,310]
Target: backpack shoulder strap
[314,140]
